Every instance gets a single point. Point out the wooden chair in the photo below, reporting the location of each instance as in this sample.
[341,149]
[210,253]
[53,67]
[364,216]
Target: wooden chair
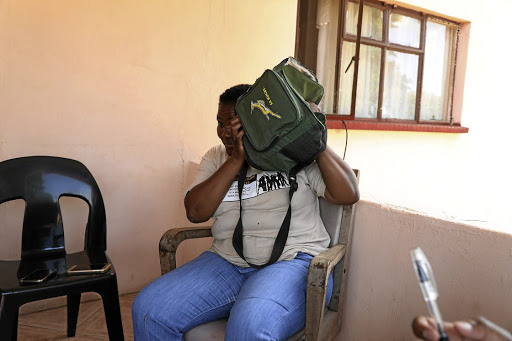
[321,324]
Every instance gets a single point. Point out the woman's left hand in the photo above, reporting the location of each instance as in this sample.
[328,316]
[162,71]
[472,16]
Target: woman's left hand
[340,181]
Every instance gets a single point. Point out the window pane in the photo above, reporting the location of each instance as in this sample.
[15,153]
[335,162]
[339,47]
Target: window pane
[372,21]
[399,96]
[438,67]
[327,24]
[404,30]
[367,82]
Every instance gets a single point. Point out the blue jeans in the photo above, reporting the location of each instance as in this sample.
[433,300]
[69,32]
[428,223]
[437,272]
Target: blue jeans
[265,304]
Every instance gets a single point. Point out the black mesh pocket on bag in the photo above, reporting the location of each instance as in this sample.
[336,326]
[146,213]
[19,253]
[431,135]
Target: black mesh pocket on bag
[306,148]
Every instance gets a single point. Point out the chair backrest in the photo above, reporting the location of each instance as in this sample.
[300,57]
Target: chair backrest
[40,181]
[332,216]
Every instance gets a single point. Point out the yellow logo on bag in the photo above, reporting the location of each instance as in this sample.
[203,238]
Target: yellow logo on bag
[260,104]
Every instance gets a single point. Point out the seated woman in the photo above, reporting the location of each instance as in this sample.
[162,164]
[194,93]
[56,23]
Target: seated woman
[264,304]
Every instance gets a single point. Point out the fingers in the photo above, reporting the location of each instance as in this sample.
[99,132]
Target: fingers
[471,330]
[237,132]
[314,107]
[482,329]
[425,328]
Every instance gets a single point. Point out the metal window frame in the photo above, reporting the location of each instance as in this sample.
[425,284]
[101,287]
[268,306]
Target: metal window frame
[385,45]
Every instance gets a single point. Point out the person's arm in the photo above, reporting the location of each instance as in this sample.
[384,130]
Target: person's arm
[484,330]
[203,199]
[340,181]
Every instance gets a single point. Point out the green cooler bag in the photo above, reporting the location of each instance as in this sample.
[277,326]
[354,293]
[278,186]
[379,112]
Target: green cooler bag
[281,133]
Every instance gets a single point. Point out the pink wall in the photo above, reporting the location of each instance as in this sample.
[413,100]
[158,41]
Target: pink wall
[129,88]
[473,269]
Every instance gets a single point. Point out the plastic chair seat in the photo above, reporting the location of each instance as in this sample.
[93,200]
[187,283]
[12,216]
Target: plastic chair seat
[11,284]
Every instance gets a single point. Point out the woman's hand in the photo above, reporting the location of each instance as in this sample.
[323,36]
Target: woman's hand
[314,107]
[481,330]
[237,131]
[340,181]
[202,200]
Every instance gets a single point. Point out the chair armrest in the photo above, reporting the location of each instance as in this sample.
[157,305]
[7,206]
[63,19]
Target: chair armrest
[172,238]
[318,275]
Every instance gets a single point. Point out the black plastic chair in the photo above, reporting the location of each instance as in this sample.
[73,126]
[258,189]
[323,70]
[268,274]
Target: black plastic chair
[40,181]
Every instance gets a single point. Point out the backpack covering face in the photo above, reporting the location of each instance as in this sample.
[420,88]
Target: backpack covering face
[281,131]
[281,134]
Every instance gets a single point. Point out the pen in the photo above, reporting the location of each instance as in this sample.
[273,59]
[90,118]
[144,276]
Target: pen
[428,288]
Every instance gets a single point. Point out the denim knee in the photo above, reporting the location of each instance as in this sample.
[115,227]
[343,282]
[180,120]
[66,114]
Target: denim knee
[142,302]
[245,326]
[146,323]
[137,312]
[257,319]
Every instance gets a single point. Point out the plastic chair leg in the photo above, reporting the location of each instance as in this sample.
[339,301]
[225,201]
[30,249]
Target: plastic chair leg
[73,307]
[112,309]
[8,320]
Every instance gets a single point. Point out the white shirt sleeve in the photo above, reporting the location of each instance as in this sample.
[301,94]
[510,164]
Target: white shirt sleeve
[315,179]
[210,162]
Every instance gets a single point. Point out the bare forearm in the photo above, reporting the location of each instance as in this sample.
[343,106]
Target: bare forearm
[340,180]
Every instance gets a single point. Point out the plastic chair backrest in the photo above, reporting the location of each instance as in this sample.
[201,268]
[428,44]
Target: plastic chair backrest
[40,181]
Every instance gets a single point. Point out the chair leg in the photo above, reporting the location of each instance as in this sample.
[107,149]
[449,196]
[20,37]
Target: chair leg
[112,309]
[8,320]
[73,307]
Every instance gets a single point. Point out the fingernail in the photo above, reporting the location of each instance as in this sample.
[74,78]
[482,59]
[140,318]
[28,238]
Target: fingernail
[466,326]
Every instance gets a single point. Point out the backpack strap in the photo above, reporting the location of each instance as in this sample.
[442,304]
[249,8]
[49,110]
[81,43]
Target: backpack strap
[282,236]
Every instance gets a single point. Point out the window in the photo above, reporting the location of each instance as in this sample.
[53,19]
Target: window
[407,59]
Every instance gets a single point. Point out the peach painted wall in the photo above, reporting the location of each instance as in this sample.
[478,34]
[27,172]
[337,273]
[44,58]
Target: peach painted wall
[130,88]
[473,269]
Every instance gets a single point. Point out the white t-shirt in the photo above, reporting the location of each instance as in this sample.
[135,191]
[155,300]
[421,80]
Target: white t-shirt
[264,206]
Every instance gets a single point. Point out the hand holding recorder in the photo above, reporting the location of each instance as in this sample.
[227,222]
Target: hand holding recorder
[434,328]
[480,329]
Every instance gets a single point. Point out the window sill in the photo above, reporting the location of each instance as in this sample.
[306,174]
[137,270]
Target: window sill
[396,126]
